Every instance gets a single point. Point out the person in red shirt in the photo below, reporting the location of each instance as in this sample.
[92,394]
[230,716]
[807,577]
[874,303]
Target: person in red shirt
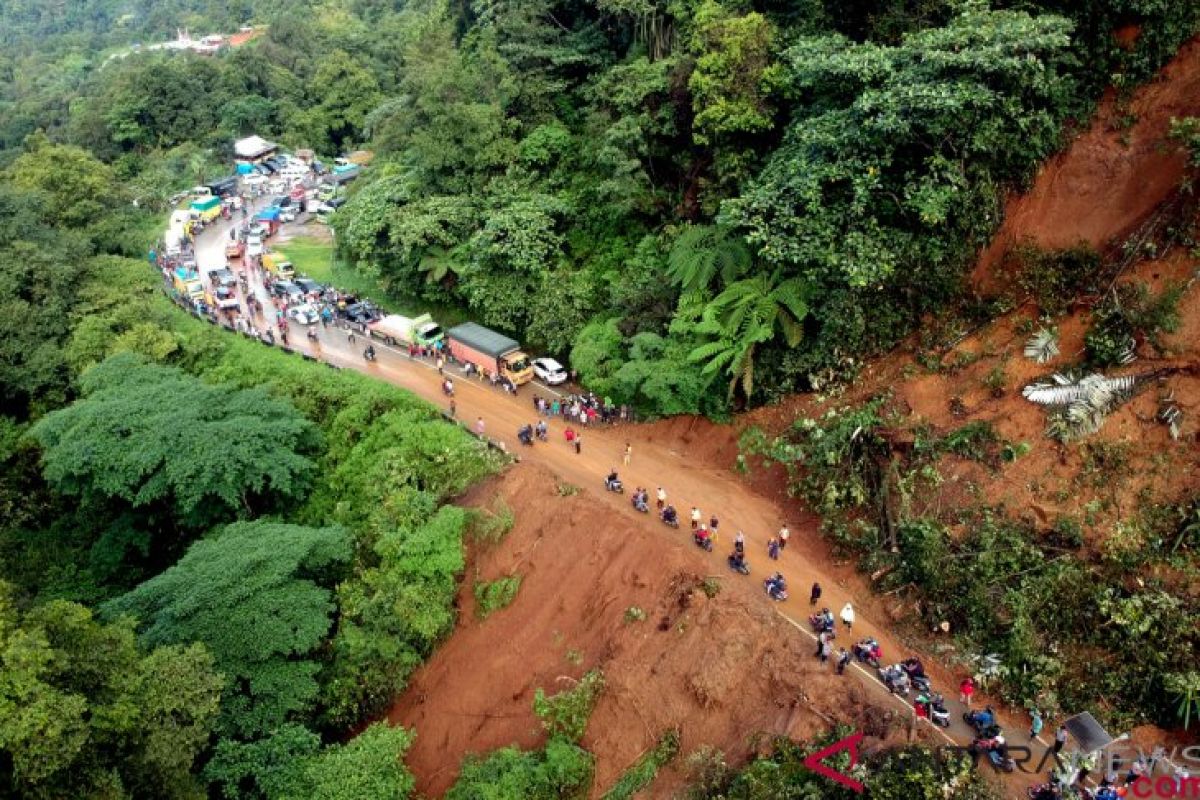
[965,690]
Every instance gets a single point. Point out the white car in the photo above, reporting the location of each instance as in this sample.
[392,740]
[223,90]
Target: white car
[304,315]
[254,179]
[549,371]
[254,246]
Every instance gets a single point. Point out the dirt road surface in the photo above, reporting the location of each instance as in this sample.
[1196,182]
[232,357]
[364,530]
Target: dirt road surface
[688,483]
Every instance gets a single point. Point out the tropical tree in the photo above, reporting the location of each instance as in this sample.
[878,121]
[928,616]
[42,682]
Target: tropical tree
[148,435]
[257,595]
[704,253]
[747,314]
[83,713]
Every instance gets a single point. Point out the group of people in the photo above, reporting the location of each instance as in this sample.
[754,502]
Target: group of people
[582,410]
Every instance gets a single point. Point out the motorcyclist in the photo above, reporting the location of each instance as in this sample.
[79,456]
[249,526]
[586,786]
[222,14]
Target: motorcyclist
[611,481]
[448,387]
[737,559]
[670,515]
[369,353]
[739,543]
[701,533]
[776,585]
[525,434]
[540,429]
[913,667]
[639,500]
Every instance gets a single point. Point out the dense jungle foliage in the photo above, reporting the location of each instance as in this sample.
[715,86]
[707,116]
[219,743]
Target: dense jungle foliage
[215,559]
[1064,618]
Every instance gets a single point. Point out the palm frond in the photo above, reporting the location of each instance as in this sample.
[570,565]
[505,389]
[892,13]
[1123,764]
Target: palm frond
[1042,346]
[1080,406]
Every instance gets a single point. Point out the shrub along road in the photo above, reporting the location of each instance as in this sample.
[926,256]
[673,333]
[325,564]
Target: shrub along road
[714,491]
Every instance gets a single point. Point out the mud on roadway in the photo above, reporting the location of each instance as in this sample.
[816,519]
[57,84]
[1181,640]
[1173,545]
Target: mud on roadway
[726,668]
[722,671]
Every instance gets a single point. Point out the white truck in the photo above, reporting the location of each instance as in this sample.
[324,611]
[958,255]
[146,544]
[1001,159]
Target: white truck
[395,329]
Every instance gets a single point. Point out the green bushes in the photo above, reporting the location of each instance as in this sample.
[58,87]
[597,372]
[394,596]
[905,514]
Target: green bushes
[905,773]
[1127,312]
[1003,586]
[494,595]
[560,771]
[645,770]
[566,714]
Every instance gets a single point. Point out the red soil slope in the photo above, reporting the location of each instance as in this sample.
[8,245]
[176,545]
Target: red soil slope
[718,669]
[1111,177]
[725,668]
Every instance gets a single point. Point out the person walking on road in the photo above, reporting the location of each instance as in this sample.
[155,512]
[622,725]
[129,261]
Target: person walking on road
[628,453]
[848,616]
[479,427]
[843,660]
[773,549]
[815,594]
[662,498]
[784,533]
[578,443]
[453,409]
[965,690]
[1035,724]
[1060,740]
[441,365]
[695,518]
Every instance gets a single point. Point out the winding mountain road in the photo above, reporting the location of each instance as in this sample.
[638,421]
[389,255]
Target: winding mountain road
[687,483]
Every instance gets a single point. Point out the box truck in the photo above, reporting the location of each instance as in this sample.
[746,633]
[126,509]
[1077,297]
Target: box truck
[395,329]
[491,352]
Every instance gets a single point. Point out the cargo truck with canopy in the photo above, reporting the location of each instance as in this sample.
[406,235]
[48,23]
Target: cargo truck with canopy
[491,352]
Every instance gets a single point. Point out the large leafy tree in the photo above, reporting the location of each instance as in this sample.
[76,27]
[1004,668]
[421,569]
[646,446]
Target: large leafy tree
[256,594]
[83,713]
[153,436]
[78,188]
[39,284]
[290,765]
[886,181]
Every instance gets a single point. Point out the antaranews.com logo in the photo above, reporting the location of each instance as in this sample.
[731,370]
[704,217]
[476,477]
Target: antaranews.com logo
[1116,760]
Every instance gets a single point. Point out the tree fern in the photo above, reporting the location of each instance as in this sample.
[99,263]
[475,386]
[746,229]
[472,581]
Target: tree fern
[743,316]
[703,253]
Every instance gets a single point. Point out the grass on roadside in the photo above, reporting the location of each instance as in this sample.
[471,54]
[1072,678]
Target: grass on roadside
[313,256]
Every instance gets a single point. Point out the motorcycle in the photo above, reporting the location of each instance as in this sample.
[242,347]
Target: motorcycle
[525,435]
[916,674]
[638,501]
[935,708]
[1000,760]
[704,542]
[776,588]
[369,354]
[823,623]
[984,722]
[542,433]
[895,679]
[448,388]
[737,563]
[868,652]
[670,519]
[613,485]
